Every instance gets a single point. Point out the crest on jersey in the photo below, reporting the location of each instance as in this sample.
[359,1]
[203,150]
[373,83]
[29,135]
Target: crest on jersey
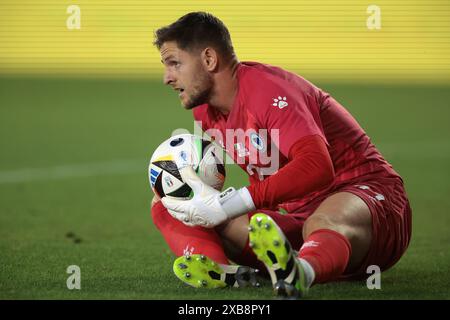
[257,142]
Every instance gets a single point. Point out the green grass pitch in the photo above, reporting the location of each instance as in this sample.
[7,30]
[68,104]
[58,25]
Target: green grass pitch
[74,188]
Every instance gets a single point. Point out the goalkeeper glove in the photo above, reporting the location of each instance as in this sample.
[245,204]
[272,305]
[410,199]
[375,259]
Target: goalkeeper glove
[208,207]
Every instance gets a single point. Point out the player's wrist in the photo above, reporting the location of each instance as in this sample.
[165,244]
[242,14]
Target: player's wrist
[236,202]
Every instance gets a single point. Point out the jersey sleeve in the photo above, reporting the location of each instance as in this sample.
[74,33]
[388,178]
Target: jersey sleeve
[287,112]
[310,164]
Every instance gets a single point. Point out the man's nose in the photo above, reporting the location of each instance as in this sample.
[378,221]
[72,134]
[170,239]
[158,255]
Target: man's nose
[168,78]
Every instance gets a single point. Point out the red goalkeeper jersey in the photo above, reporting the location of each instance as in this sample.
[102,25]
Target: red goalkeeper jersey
[273,110]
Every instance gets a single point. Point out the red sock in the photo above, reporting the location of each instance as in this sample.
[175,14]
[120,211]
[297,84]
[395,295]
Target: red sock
[182,238]
[328,252]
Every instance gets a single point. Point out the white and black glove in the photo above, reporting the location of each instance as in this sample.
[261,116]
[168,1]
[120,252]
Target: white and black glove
[208,207]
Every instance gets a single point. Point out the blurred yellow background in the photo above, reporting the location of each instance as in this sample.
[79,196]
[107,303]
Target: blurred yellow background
[318,39]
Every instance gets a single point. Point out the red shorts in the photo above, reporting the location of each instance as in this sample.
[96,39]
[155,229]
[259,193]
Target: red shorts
[391,221]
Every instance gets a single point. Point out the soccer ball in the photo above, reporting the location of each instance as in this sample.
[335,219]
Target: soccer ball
[205,157]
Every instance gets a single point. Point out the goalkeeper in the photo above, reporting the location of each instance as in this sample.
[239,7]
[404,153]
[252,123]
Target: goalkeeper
[345,208]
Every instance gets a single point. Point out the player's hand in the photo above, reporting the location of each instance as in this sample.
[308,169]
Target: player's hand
[204,209]
[208,207]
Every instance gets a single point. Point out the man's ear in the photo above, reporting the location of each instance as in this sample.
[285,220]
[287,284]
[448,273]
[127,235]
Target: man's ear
[210,59]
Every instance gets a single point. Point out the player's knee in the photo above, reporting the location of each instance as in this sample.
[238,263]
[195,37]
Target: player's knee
[315,222]
[359,235]
[323,221]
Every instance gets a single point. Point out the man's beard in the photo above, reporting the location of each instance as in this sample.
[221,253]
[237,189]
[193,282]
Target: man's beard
[201,91]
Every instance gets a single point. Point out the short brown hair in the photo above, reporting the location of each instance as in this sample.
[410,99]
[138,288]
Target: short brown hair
[197,30]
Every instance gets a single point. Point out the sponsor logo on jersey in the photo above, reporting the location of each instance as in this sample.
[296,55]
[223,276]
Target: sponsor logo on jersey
[280,102]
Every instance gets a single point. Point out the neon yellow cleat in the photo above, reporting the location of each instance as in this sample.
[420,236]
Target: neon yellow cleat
[274,250]
[199,271]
